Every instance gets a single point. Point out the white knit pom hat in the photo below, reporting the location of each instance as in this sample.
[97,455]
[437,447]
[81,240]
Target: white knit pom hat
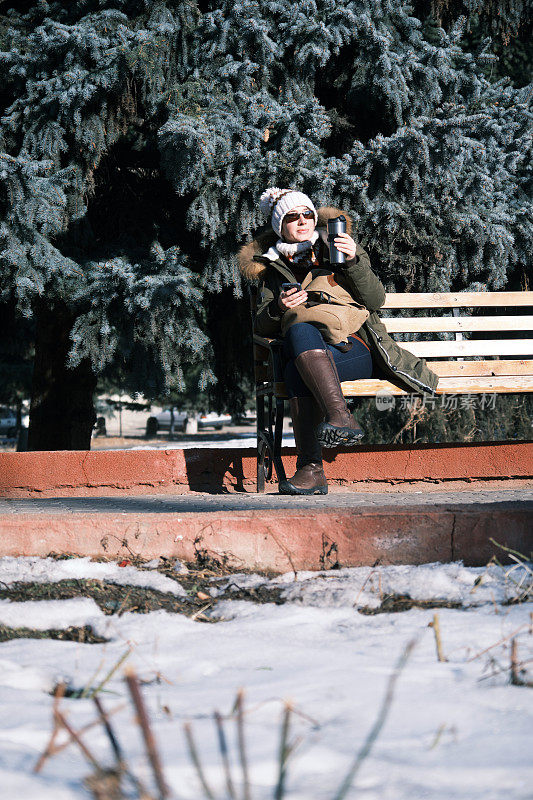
[279,202]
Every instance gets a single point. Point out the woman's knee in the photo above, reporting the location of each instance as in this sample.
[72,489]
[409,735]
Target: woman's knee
[301,337]
[351,369]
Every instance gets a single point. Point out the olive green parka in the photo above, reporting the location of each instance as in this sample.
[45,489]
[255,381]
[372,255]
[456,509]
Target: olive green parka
[260,263]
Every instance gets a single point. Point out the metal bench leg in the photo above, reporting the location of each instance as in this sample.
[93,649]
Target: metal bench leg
[269,440]
[278,438]
[265,441]
[260,425]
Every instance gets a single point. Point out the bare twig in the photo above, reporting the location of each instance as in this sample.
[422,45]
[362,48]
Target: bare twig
[224,753]
[494,603]
[516,680]
[442,729]
[193,752]
[50,748]
[144,723]
[515,677]
[91,680]
[378,724]
[120,610]
[81,744]
[122,765]
[524,593]
[242,749]
[417,413]
[283,753]
[294,745]
[479,580]
[200,611]
[92,693]
[119,758]
[435,624]
[497,669]
[507,549]
[105,785]
[314,722]
[248,711]
[500,641]
[58,748]
[285,551]
[370,575]
[438,735]
[251,709]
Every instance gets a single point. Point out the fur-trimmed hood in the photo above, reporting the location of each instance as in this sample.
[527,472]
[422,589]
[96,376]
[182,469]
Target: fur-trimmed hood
[264,243]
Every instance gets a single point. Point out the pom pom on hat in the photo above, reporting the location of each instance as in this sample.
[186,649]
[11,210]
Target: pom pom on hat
[269,198]
[279,202]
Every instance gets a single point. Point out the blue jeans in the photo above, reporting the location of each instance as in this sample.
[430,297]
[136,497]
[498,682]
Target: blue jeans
[356,363]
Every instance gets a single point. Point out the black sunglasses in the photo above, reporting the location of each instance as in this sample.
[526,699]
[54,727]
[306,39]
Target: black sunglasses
[292,216]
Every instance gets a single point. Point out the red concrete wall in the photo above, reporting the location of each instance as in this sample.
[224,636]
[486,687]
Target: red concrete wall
[278,540]
[117,472]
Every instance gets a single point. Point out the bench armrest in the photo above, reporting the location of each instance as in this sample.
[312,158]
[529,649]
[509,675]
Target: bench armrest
[265,342]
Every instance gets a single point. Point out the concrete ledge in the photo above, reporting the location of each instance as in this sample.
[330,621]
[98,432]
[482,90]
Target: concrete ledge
[275,534]
[118,472]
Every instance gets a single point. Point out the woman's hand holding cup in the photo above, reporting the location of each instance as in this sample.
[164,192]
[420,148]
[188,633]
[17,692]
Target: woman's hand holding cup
[346,245]
[291,298]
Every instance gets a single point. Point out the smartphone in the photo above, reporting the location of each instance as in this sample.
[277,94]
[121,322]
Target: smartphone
[287,286]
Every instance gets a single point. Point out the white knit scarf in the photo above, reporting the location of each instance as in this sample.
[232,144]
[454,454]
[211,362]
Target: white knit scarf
[298,250]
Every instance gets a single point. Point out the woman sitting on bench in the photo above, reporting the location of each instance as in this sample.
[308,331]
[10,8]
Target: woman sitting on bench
[322,318]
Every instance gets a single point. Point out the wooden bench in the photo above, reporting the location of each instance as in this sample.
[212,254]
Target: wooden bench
[500,365]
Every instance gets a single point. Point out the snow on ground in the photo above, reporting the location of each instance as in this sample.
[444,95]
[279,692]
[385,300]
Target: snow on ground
[456,729]
[44,615]
[49,570]
[365,586]
[241,440]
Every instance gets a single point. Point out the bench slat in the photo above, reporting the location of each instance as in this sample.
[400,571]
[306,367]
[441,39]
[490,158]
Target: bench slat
[501,384]
[476,347]
[449,300]
[504,384]
[454,369]
[442,324]
[451,369]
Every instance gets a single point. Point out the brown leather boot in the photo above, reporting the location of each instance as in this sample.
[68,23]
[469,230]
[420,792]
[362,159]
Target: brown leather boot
[309,477]
[320,375]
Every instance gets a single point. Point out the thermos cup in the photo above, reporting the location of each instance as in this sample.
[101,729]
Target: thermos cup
[336,226]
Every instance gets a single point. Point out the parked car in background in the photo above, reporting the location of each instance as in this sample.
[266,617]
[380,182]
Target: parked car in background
[213,420]
[161,422]
[8,422]
[248,418]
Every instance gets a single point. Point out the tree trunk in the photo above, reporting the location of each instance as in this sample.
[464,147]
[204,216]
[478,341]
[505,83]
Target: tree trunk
[62,413]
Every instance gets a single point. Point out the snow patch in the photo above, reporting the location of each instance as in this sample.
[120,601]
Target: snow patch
[30,569]
[455,729]
[45,615]
[365,586]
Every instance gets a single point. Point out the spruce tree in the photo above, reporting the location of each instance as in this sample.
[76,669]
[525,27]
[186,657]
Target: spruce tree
[135,140]
[98,269]
[16,359]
